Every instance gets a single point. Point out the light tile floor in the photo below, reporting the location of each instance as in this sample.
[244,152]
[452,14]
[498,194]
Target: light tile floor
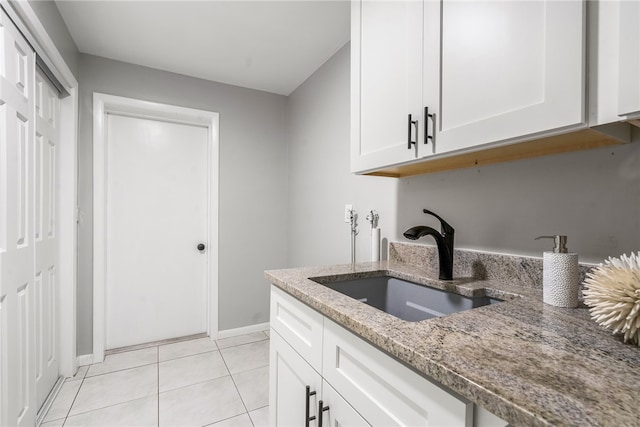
[199,382]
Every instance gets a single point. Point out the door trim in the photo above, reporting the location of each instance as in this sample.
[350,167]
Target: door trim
[104,104]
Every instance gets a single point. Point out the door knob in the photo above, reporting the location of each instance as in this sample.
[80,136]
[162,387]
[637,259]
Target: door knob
[201,247]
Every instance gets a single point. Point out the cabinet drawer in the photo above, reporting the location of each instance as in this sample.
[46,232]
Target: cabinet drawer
[299,325]
[384,391]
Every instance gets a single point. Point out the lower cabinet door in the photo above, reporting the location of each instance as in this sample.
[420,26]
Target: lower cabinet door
[336,412]
[289,377]
[382,390]
[484,418]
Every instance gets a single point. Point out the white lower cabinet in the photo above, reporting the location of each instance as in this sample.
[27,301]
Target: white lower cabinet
[297,393]
[337,412]
[299,325]
[289,377]
[384,391]
[355,384]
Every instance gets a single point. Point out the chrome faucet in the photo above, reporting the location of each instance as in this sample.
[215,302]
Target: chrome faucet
[444,242]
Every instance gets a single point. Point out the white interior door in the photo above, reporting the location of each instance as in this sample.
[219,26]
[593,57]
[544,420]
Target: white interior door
[46,237]
[17,248]
[156,216]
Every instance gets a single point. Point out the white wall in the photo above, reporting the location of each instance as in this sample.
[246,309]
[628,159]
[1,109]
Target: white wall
[591,196]
[319,180]
[253,178]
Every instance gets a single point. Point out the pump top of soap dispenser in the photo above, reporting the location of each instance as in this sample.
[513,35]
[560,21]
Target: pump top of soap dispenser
[559,243]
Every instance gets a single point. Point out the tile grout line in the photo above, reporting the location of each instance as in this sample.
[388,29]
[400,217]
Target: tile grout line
[219,349]
[109,406]
[196,383]
[236,386]
[103,407]
[188,355]
[244,343]
[246,411]
[157,362]
[122,370]
[75,397]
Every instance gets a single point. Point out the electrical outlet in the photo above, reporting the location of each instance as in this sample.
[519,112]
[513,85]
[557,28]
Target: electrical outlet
[347,213]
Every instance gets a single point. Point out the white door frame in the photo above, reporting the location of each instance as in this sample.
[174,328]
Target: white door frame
[67,181]
[104,104]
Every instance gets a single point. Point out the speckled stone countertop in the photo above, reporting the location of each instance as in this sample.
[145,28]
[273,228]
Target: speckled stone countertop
[529,363]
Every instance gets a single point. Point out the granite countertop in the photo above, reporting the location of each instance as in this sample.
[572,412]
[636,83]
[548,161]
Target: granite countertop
[529,363]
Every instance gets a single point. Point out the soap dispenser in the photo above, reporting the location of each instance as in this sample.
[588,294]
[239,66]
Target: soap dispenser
[560,274]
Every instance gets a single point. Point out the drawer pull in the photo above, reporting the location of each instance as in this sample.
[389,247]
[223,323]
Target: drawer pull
[307,418]
[428,116]
[409,139]
[321,409]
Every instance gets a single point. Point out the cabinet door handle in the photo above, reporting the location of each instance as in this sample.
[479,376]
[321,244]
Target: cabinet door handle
[307,418]
[321,409]
[409,141]
[428,116]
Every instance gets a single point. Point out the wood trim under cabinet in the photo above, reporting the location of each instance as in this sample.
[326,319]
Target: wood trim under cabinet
[564,143]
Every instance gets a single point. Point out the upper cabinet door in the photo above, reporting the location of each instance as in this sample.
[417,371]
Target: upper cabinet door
[386,81]
[500,71]
[629,89]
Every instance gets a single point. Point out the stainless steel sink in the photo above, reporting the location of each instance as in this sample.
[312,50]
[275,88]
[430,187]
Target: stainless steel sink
[407,300]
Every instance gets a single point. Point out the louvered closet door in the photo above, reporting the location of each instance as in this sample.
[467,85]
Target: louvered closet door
[46,284]
[17,246]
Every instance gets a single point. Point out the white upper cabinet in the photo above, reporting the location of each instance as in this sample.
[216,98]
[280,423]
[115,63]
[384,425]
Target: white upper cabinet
[490,73]
[496,71]
[386,81]
[629,89]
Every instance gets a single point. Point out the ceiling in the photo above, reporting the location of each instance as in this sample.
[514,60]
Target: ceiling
[267,45]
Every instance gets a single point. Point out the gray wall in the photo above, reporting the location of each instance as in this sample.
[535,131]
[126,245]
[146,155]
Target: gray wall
[319,180]
[591,196]
[253,181]
[285,178]
[50,17]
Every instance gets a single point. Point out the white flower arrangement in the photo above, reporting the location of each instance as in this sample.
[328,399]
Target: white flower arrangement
[612,292]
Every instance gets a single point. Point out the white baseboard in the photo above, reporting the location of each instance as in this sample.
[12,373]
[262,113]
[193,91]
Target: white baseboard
[85,359]
[228,333]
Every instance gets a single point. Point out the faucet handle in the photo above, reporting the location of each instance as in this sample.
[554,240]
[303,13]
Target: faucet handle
[444,225]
